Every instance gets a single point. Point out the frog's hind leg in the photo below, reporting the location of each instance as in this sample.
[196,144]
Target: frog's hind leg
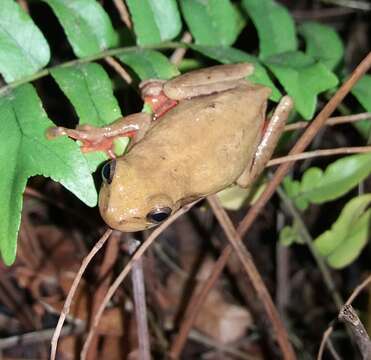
[268,143]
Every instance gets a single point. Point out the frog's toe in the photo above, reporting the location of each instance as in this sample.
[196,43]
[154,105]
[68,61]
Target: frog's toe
[54,132]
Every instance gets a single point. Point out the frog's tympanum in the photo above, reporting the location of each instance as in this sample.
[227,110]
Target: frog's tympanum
[207,135]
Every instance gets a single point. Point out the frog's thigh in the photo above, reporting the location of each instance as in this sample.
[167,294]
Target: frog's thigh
[268,143]
[207,81]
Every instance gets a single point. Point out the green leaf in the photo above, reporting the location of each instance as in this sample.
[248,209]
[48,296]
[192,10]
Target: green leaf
[233,197]
[86,24]
[343,243]
[89,89]
[212,22]
[275,26]
[23,48]
[25,152]
[149,64]
[303,79]
[319,186]
[322,43]
[362,92]
[289,235]
[154,20]
[228,55]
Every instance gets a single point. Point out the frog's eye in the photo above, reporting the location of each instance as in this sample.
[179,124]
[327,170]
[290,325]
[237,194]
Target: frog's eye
[158,215]
[108,171]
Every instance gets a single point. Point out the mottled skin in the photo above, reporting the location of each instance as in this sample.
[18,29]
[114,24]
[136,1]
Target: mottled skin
[210,139]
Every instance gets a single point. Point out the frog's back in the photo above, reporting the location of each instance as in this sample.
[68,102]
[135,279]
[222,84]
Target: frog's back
[204,144]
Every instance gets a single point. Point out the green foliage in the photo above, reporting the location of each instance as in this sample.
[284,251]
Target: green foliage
[23,48]
[322,43]
[214,25]
[317,186]
[86,24]
[275,26]
[25,152]
[213,22]
[303,78]
[343,243]
[149,64]
[154,20]
[362,91]
[290,235]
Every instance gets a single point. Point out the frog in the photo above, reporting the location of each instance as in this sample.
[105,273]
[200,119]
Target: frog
[207,132]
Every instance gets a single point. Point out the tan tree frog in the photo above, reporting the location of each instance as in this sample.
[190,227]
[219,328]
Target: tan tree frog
[209,135]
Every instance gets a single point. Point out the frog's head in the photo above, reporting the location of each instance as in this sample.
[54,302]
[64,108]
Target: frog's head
[129,201]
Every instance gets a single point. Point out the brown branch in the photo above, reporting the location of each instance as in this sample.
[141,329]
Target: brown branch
[71,293]
[350,317]
[139,294]
[198,298]
[253,274]
[318,153]
[336,120]
[127,268]
[124,13]
[118,68]
[104,279]
[179,53]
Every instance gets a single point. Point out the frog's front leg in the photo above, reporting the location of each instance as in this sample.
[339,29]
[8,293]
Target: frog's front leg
[268,143]
[101,138]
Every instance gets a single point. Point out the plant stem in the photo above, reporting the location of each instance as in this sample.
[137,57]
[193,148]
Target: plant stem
[304,233]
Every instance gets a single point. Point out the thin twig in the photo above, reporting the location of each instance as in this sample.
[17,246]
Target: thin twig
[325,338]
[336,120]
[71,293]
[179,53]
[139,294]
[350,317]
[104,279]
[253,274]
[147,243]
[119,69]
[353,4]
[198,298]
[358,289]
[326,275]
[40,336]
[319,153]
[124,13]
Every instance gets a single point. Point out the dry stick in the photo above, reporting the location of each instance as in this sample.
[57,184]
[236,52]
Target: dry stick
[179,53]
[146,244]
[336,120]
[124,13]
[139,294]
[40,336]
[104,280]
[330,329]
[350,318]
[318,153]
[198,299]
[252,272]
[119,69]
[71,293]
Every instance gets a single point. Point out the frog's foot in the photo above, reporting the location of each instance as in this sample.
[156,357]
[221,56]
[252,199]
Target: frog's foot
[102,139]
[153,95]
[268,143]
